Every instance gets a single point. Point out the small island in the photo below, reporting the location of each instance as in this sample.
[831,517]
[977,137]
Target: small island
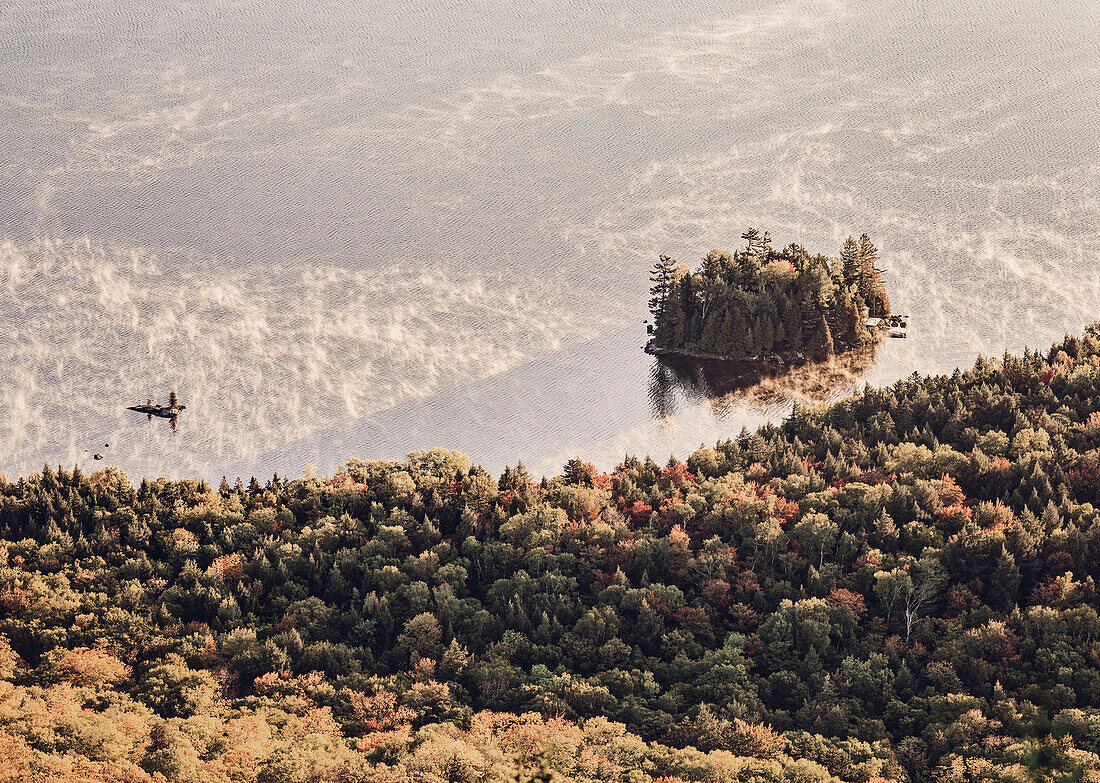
[762,305]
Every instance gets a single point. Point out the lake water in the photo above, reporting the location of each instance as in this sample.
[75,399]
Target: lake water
[354,229]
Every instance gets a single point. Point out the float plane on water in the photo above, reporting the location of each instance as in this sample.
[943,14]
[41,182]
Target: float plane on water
[171,411]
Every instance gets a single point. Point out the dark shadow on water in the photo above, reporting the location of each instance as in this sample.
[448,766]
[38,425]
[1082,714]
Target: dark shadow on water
[723,385]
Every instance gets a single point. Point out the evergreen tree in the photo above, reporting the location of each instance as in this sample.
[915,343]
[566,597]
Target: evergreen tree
[661,278]
[669,322]
[821,340]
[714,266]
[871,287]
[687,310]
[852,263]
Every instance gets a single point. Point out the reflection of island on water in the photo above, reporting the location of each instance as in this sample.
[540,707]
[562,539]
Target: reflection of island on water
[726,383]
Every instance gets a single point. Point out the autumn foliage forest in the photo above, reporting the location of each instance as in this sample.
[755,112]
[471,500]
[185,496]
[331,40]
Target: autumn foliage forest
[897,587]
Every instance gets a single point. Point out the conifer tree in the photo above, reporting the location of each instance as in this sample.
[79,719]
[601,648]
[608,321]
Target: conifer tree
[871,287]
[661,277]
[851,260]
[711,270]
[666,303]
[687,309]
[821,340]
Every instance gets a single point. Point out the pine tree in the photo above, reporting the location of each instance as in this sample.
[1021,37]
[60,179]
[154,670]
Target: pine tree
[871,287]
[821,340]
[711,272]
[669,317]
[576,471]
[857,330]
[712,330]
[753,240]
[766,331]
[793,324]
[687,310]
[726,343]
[661,277]
[851,261]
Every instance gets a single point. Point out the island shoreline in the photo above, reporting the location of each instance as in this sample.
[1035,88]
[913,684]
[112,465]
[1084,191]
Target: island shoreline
[785,359]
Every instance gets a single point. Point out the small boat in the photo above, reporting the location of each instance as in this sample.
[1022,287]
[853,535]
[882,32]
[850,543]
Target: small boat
[171,411]
[897,326]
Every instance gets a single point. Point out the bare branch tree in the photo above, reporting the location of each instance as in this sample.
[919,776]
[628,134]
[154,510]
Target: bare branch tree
[918,601]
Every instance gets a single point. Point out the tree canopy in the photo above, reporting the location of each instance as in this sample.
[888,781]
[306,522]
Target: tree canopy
[758,301]
[897,587]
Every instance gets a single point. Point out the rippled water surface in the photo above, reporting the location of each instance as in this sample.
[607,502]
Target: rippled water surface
[353,229]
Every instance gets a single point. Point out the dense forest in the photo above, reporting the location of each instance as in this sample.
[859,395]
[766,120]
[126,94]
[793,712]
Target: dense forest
[759,302]
[897,587]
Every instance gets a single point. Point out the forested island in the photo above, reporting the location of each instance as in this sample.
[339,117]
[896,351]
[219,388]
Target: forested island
[897,587]
[759,303]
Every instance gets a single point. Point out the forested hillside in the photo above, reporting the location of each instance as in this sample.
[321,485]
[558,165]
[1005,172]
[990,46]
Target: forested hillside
[899,587]
[759,301]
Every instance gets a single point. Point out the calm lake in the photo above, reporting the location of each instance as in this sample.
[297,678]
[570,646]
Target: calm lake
[344,229]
